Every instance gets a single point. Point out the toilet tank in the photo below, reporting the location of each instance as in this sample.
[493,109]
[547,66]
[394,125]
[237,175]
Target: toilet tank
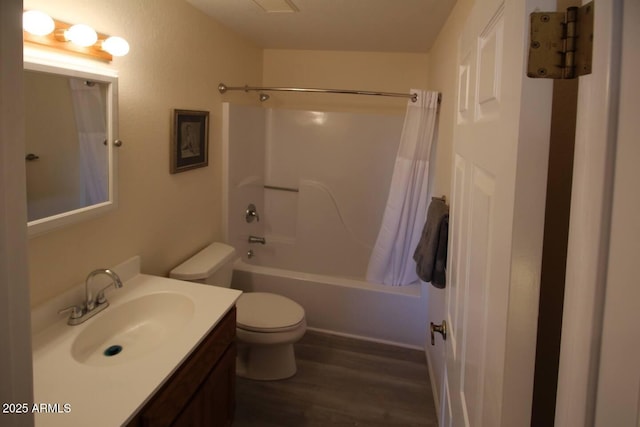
[213,265]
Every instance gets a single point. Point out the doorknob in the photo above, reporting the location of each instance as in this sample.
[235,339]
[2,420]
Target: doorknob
[441,329]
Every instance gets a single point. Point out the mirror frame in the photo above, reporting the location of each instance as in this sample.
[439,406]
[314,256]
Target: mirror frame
[65,66]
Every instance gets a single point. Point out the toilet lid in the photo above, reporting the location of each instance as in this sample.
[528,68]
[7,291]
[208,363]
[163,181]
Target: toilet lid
[265,312]
[203,264]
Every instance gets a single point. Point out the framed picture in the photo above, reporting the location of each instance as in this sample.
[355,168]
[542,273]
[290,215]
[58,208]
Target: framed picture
[190,141]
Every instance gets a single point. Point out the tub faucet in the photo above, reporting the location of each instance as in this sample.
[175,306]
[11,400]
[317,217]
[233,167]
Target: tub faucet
[256,239]
[91,306]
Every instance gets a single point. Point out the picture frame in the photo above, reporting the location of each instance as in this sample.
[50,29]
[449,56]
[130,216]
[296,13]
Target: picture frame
[190,140]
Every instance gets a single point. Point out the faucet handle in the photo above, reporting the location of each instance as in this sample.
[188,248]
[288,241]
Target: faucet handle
[76,311]
[251,213]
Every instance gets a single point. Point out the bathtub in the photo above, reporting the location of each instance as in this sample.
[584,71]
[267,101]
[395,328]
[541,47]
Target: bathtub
[343,306]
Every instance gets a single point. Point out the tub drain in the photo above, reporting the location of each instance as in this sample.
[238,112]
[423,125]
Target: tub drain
[112,350]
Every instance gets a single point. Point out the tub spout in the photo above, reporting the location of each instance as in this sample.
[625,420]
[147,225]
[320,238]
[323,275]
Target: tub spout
[256,239]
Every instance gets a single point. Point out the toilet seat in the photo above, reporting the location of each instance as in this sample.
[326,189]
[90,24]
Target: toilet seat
[266,312]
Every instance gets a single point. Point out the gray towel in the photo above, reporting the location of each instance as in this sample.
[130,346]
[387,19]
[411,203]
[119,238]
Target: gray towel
[431,253]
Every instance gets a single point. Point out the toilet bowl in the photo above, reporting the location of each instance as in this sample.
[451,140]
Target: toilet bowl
[267,325]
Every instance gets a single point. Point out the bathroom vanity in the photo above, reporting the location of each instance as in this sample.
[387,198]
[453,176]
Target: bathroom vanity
[202,391]
[162,353]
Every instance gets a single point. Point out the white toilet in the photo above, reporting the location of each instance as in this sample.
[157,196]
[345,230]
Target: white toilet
[267,324]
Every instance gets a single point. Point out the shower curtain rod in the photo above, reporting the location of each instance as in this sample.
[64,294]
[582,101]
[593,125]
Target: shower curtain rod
[413,96]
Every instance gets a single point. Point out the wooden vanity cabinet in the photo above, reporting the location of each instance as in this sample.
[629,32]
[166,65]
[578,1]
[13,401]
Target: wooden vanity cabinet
[202,391]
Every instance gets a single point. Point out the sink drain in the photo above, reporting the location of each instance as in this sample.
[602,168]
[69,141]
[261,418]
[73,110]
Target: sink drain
[112,350]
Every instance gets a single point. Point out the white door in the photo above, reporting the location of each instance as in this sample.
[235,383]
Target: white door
[501,139]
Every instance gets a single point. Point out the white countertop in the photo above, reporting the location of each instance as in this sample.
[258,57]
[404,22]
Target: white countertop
[110,395]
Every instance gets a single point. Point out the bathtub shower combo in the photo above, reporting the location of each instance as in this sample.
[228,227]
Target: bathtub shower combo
[306,192]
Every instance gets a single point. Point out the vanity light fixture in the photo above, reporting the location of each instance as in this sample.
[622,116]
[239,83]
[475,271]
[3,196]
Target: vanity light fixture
[37,23]
[116,46]
[80,34]
[78,39]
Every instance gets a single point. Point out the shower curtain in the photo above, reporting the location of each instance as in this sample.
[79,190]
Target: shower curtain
[89,108]
[391,261]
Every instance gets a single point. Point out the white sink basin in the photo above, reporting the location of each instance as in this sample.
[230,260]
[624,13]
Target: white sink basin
[120,334]
[157,321]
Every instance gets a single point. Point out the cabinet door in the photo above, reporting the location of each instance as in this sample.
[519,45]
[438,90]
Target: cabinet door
[214,403]
[201,391]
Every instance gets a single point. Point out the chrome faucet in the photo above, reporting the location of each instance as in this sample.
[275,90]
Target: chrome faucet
[91,306]
[256,239]
[89,302]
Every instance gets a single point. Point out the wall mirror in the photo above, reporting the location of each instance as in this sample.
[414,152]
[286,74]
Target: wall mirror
[70,139]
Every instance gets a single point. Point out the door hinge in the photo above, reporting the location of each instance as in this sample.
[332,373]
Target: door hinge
[561,43]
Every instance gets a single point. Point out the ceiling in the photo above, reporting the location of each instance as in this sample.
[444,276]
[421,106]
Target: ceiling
[351,25]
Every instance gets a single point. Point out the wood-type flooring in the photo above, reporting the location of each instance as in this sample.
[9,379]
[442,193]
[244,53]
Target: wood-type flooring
[342,382]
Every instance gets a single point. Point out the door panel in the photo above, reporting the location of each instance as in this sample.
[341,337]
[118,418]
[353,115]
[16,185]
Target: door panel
[458,230]
[465,96]
[489,69]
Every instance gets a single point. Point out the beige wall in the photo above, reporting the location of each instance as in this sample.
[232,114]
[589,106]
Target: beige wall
[376,71]
[178,56]
[442,77]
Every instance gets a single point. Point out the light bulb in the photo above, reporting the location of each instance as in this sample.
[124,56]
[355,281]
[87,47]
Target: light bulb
[116,46]
[82,35]
[37,23]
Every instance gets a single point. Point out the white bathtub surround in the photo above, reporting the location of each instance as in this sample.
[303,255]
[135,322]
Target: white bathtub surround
[339,165]
[391,261]
[243,171]
[100,393]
